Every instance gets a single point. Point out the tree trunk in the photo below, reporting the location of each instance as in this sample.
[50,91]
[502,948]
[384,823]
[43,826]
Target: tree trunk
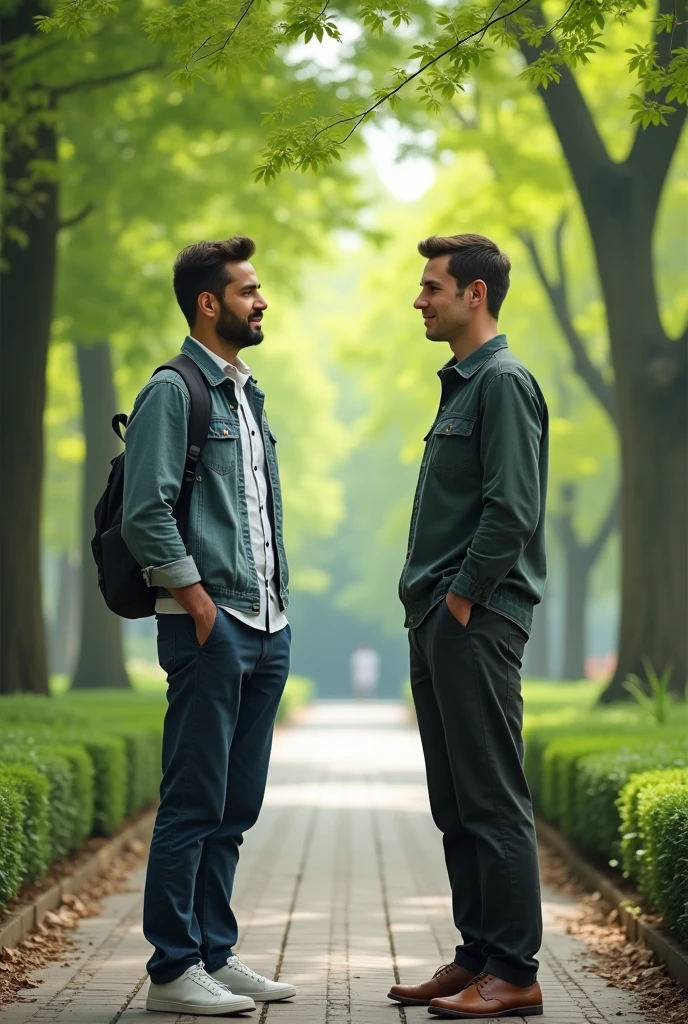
[579,559]
[651,374]
[654,513]
[26,310]
[575,604]
[620,202]
[101,655]
[65,625]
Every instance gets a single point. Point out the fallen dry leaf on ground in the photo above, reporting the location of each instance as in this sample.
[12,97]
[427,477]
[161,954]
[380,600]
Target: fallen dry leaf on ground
[622,964]
[51,942]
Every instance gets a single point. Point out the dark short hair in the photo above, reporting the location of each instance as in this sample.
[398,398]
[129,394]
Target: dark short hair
[473,257]
[203,268]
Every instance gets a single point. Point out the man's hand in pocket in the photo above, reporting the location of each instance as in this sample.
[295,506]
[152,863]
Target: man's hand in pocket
[200,607]
[460,608]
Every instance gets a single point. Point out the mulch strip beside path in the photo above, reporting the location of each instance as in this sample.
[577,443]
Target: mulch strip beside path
[51,941]
[622,964]
[68,867]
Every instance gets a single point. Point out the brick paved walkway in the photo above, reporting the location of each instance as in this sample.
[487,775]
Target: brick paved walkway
[341,889]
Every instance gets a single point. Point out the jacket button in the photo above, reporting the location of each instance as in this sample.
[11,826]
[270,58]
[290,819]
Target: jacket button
[410,618]
[198,478]
[255,607]
[225,432]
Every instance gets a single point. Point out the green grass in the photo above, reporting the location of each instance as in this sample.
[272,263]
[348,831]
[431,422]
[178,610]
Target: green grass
[146,678]
[144,704]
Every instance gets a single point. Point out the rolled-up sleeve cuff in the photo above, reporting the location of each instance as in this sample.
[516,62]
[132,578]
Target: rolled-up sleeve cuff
[471,590]
[182,573]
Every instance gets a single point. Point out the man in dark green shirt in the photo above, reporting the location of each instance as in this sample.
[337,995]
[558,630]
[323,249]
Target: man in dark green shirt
[474,570]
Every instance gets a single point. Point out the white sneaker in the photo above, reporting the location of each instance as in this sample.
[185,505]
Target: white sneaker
[245,982]
[196,992]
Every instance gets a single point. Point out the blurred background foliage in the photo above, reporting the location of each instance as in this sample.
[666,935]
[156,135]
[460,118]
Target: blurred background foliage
[143,167]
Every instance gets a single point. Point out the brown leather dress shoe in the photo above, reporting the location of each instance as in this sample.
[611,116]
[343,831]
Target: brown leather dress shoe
[489,996]
[446,981]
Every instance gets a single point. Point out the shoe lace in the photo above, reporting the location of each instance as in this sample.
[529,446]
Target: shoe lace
[481,979]
[201,977]
[445,969]
[236,965]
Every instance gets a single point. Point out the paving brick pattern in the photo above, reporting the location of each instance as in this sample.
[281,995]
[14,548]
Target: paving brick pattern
[341,890]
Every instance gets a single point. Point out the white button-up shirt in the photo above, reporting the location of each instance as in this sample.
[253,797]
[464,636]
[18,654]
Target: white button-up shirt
[256,491]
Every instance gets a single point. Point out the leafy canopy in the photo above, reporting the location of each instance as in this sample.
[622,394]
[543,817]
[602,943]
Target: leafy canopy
[436,46]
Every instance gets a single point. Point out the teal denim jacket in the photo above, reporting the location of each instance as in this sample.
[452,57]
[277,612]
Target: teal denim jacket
[218,548]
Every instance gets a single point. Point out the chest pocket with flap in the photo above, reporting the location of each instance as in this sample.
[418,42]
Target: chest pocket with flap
[222,448]
[454,444]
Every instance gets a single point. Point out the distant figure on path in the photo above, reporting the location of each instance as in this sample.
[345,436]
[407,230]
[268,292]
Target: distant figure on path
[365,671]
[474,570]
[223,637]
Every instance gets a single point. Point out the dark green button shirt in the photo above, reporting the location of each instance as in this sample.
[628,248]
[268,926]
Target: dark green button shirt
[477,526]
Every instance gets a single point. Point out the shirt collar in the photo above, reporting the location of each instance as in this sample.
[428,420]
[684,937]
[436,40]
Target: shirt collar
[238,371]
[472,363]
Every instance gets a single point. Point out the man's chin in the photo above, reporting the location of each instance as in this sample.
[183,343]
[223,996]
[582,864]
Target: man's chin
[433,335]
[254,338]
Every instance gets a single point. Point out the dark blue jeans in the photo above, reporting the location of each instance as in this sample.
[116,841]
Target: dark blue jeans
[222,702]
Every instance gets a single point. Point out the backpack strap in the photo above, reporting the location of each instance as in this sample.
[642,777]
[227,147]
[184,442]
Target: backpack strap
[199,422]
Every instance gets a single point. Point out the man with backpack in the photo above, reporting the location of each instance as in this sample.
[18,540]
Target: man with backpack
[221,577]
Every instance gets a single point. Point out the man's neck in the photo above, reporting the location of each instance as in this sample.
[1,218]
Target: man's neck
[224,349]
[473,338]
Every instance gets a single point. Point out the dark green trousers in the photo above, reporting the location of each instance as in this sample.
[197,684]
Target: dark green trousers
[467,691]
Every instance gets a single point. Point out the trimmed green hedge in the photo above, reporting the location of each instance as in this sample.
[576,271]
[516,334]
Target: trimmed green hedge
[142,748]
[110,779]
[583,776]
[663,820]
[11,839]
[82,796]
[636,843]
[33,789]
[55,768]
[297,692]
[621,795]
[602,777]
[75,765]
[78,778]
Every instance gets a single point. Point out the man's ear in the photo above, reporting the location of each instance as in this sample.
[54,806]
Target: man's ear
[206,304]
[478,291]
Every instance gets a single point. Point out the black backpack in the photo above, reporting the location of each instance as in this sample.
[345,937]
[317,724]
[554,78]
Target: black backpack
[119,574]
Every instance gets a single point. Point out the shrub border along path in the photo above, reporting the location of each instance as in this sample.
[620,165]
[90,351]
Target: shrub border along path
[663,945]
[22,922]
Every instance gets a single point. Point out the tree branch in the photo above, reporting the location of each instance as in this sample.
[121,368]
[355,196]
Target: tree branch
[610,522]
[220,49]
[70,222]
[580,140]
[590,552]
[97,83]
[463,120]
[563,522]
[654,147]
[359,118]
[557,294]
[35,54]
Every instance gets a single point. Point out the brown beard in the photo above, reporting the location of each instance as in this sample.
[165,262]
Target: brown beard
[235,330]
